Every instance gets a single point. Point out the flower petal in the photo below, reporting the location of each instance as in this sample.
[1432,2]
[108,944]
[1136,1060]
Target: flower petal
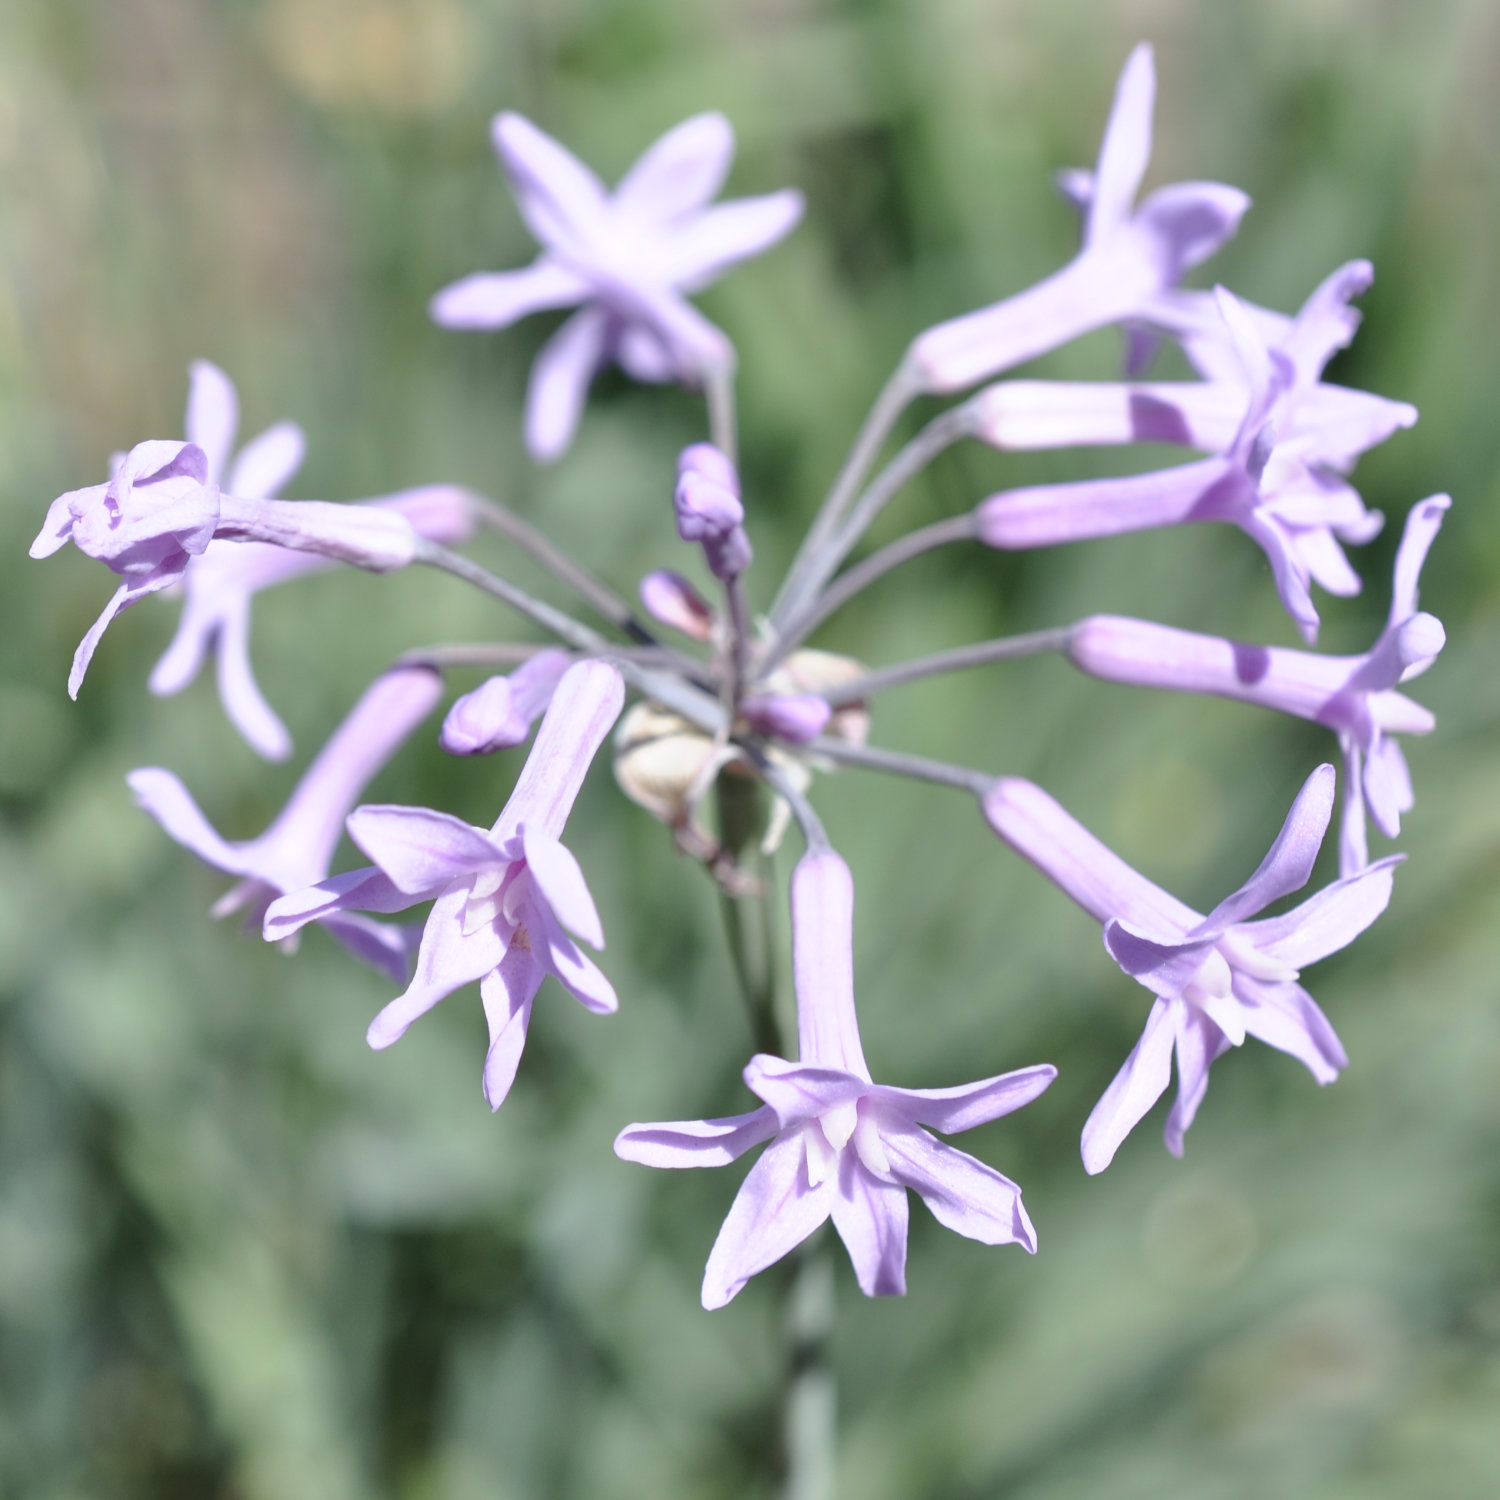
[680,172]
[389,947]
[1327,921]
[449,958]
[573,969]
[243,701]
[823,964]
[560,380]
[708,244]
[969,1104]
[1135,1088]
[266,463]
[368,889]
[871,1218]
[696,1143]
[775,1209]
[166,799]
[508,992]
[1126,148]
[964,1194]
[1422,524]
[496,299]
[561,200]
[213,414]
[556,874]
[1286,1017]
[798,1092]
[1164,968]
[584,707]
[1199,1042]
[132,591]
[1289,862]
[1039,829]
[421,850]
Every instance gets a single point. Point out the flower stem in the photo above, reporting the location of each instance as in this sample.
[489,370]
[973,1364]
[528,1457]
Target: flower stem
[894,398]
[749,923]
[961,658]
[858,578]
[810,1433]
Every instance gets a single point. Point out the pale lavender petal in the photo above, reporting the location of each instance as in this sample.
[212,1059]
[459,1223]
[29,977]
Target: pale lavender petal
[128,593]
[365,536]
[1199,1042]
[678,173]
[696,1143]
[213,414]
[703,247]
[1164,968]
[560,380]
[1354,849]
[368,889]
[57,529]
[266,463]
[239,692]
[823,964]
[1289,862]
[963,1194]
[697,345]
[566,962]
[1288,571]
[500,713]
[871,1219]
[798,1092]
[1326,322]
[1397,714]
[443,513]
[421,850]
[562,201]
[166,799]
[1180,226]
[496,299]
[1135,1088]
[958,1109]
[181,662]
[1286,1017]
[1039,829]
[1327,921]
[643,355]
[1126,147]
[1049,514]
[1018,415]
[389,947]
[774,1211]
[1422,524]
[556,874]
[300,843]
[584,707]
[508,992]
[1388,790]
[449,959]
[1324,560]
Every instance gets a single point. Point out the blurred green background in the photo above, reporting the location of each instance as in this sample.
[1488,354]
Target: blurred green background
[242,1256]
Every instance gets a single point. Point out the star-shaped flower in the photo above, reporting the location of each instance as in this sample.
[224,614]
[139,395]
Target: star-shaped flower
[1217,978]
[842,1146]
[630,258]
[501,899]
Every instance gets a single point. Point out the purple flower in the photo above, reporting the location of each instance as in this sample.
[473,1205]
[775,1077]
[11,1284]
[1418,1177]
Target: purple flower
[709,510]
[1129,256]
[157,512]
[296,849]
[1354,695]
[797,718]
[1319,424]
[1217,978]
[841,1146]
[500,713]
[501,899]
[629,257]
[219,583]
[1285,496]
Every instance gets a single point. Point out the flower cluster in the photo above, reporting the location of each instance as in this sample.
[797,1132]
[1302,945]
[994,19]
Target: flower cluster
[732,705]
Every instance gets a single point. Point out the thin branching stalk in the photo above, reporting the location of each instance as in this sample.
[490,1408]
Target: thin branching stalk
[896,763]
[982,653]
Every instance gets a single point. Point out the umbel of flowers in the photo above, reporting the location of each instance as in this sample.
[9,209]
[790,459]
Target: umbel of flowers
[728,694]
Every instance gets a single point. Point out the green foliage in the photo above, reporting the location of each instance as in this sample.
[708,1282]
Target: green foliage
[241,1255]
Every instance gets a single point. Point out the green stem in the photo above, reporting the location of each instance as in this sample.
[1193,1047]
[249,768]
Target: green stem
[749,922]
[810,1433]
